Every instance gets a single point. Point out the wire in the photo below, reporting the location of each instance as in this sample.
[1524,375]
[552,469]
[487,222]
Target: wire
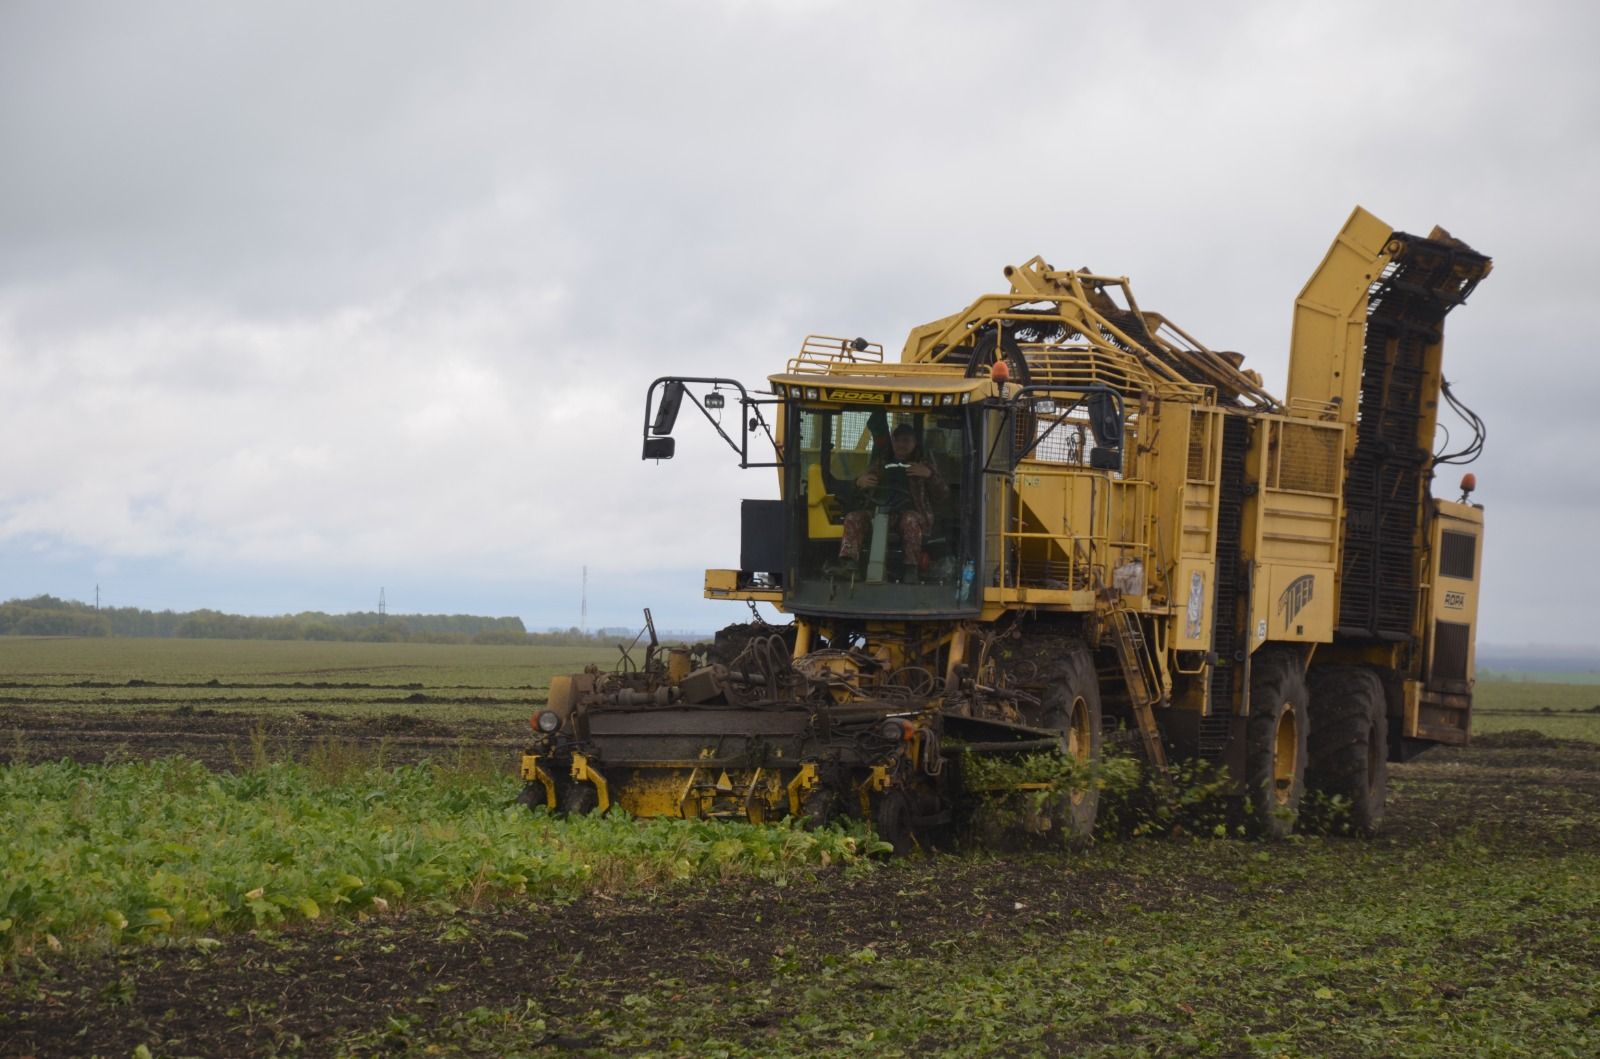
[1480,432]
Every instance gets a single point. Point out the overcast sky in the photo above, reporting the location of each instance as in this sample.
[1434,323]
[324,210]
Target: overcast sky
[298,300]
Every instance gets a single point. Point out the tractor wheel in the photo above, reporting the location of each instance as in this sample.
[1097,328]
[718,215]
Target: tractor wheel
[1350,741]
[576,799]
[533,796]
[1275,743]
[1071,705]
[819,808]
[893,820]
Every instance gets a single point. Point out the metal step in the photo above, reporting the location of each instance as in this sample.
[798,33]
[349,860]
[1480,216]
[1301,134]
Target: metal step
[1141,680]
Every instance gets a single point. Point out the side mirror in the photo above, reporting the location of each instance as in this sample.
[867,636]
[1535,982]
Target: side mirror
[1104,459]
[1105,419]
[660,448]
[666,413]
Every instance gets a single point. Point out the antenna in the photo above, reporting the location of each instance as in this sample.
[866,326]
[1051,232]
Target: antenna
[583,611]
[383,607]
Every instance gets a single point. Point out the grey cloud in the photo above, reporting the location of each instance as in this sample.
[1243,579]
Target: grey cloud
[332,286]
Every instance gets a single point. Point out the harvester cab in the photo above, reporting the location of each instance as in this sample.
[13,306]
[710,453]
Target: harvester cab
[1057,516]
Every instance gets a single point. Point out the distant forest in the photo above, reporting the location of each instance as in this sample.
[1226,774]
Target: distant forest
[49,616]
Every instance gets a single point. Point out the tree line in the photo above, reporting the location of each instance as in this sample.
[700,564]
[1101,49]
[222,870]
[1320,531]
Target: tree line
[49,616]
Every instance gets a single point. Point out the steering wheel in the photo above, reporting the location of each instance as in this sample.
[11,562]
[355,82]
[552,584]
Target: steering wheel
[893,489]
[889,496]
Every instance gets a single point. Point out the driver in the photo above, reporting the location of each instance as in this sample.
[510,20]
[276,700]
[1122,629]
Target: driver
[911,486]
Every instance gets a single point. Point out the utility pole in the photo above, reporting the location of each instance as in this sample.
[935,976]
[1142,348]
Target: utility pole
[583,610]
[383,607]
[96,597]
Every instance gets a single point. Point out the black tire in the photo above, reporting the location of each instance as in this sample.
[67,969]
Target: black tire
[576,799]
[533,796]
[893,819]
[1070,705]
[1275,743]
[1349,742]
[819,808]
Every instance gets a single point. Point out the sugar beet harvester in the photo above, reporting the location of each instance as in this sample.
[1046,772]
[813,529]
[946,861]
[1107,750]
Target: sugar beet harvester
[1060,515]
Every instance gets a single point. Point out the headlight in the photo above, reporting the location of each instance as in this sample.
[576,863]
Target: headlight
[811,393]
[927,400]
[948,398]
[907,399]
[548,721]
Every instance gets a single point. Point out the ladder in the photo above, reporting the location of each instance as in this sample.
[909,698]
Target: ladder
[1143,682]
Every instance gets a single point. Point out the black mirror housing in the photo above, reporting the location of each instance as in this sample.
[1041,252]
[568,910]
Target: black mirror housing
[667,410]
[659,448]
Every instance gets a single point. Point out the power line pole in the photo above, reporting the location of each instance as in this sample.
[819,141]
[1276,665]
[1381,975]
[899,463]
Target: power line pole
[383,607]
[583,610]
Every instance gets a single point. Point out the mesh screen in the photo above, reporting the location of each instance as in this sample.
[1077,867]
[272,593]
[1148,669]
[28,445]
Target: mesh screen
[1457,552]
[1199,451]
[1308,459]
[1057,437]
[1450,642]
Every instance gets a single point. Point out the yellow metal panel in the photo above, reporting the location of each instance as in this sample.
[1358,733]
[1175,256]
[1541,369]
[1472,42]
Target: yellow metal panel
[1453,600]
[561,695]
[656,792]
[824,515]
[584,774]
[724,584]
[1325,349]
[1293,603]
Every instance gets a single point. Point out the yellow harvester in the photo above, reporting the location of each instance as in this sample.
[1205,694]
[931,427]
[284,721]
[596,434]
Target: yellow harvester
[1058,515]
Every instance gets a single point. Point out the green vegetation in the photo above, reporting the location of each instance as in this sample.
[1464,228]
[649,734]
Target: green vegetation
[49,616]
[1333,958]
[1494,695]
[1538,676]
[132,851]
[1560,710]
[441,681]
[63,662]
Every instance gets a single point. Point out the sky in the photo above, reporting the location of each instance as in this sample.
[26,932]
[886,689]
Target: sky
[303,300]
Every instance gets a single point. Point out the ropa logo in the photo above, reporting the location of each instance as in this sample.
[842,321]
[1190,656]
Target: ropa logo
[1296,596]
[855,395]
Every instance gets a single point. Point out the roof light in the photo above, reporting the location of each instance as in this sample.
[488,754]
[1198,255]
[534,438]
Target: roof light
[926,400]
[811,393]
[908,399]
[948,398]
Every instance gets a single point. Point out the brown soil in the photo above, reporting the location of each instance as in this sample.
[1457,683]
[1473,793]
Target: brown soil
[307,989]
[225,739]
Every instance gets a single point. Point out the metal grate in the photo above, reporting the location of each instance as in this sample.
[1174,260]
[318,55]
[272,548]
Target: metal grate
[1059,437]
[1199,448]
[1384,481]
[1451,642]
[1226,637]
[1308,459]
[1457,554]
